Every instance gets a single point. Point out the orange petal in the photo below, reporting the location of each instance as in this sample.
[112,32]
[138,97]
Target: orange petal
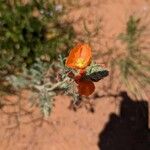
[79,57]
[78,77]
[86,87]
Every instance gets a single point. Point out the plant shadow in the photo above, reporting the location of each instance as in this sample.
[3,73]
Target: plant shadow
[128,130]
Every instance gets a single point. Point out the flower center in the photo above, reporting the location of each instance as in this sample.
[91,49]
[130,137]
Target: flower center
[80,63]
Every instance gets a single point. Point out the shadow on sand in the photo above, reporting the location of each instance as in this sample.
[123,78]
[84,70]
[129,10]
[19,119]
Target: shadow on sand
[128,130]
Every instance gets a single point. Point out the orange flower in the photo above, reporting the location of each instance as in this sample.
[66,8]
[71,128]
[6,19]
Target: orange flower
[86,87]
[79,57]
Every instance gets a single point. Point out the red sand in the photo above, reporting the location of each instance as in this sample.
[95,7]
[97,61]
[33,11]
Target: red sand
[66,129]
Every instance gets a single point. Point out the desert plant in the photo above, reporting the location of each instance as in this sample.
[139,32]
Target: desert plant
[32,35]
[133,62]
[73,76]
[30,31]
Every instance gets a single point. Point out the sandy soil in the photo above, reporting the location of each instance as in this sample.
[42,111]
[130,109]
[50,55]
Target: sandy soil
[113,123]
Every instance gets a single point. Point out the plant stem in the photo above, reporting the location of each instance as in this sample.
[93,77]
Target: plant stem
[57,85]
[40,88]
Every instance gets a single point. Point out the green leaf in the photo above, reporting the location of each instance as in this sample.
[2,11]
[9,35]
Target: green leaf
[95,73]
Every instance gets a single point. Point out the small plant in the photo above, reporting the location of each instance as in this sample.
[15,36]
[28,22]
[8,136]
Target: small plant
[84,72]
[30,31]
[133,62]
[32,35]
[75,74]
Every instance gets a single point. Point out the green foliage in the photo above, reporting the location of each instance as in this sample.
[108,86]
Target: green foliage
[40,78]
[95,72]
[30,31]
[35,75]
[134,63]
[46,102]
[32,35]
[132,35]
